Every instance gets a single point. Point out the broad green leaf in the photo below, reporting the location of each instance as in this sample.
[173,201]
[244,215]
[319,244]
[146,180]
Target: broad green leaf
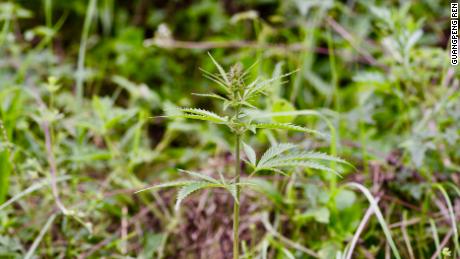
[344,199]
[152,243]
[5,172]
[320,215]
[282,105]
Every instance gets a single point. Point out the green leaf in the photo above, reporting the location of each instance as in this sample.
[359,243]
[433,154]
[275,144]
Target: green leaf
[200,176]
[274,151]
[256,86]
[200,114]
[282,105]
[188,189]
[221,70]
[215,96]
[306,164]
[287,126]
[320,215]
[152,243]
[222,85]
[287,253]
[274,159]
[250,153]
[311,155]
[344,199]
[233,191]
[5,172]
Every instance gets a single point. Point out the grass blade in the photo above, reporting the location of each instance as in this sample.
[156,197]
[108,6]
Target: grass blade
[451,215]
[32,188]
[39,238]
[82,51]
[378,214]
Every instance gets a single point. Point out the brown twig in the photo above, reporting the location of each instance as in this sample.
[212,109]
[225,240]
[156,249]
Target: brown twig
[235,44]
[443,243]
[170,43]
[49,154]
[53,167]
[349,37]
[360,229]
[124,229]
[406,237]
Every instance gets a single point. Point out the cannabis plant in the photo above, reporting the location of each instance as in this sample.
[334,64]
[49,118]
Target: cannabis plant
[241,116]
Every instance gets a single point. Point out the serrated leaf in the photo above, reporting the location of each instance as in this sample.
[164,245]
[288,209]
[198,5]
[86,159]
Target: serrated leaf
[287,126]
[200,114]
[200,176]
[188,189]
[250,153]
[307,164]
[307,155]
[274,151]
[275,158]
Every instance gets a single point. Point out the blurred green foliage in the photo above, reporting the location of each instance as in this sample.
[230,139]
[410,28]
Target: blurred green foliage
[377,71]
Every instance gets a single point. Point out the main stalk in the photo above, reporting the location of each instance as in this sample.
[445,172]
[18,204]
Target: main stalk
[236,204]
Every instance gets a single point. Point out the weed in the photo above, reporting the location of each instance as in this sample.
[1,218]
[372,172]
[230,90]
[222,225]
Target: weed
[237,101]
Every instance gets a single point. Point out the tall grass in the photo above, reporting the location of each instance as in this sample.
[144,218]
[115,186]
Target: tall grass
[81,74]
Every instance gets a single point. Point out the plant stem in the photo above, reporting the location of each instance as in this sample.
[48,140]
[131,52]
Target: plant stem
[236,204]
